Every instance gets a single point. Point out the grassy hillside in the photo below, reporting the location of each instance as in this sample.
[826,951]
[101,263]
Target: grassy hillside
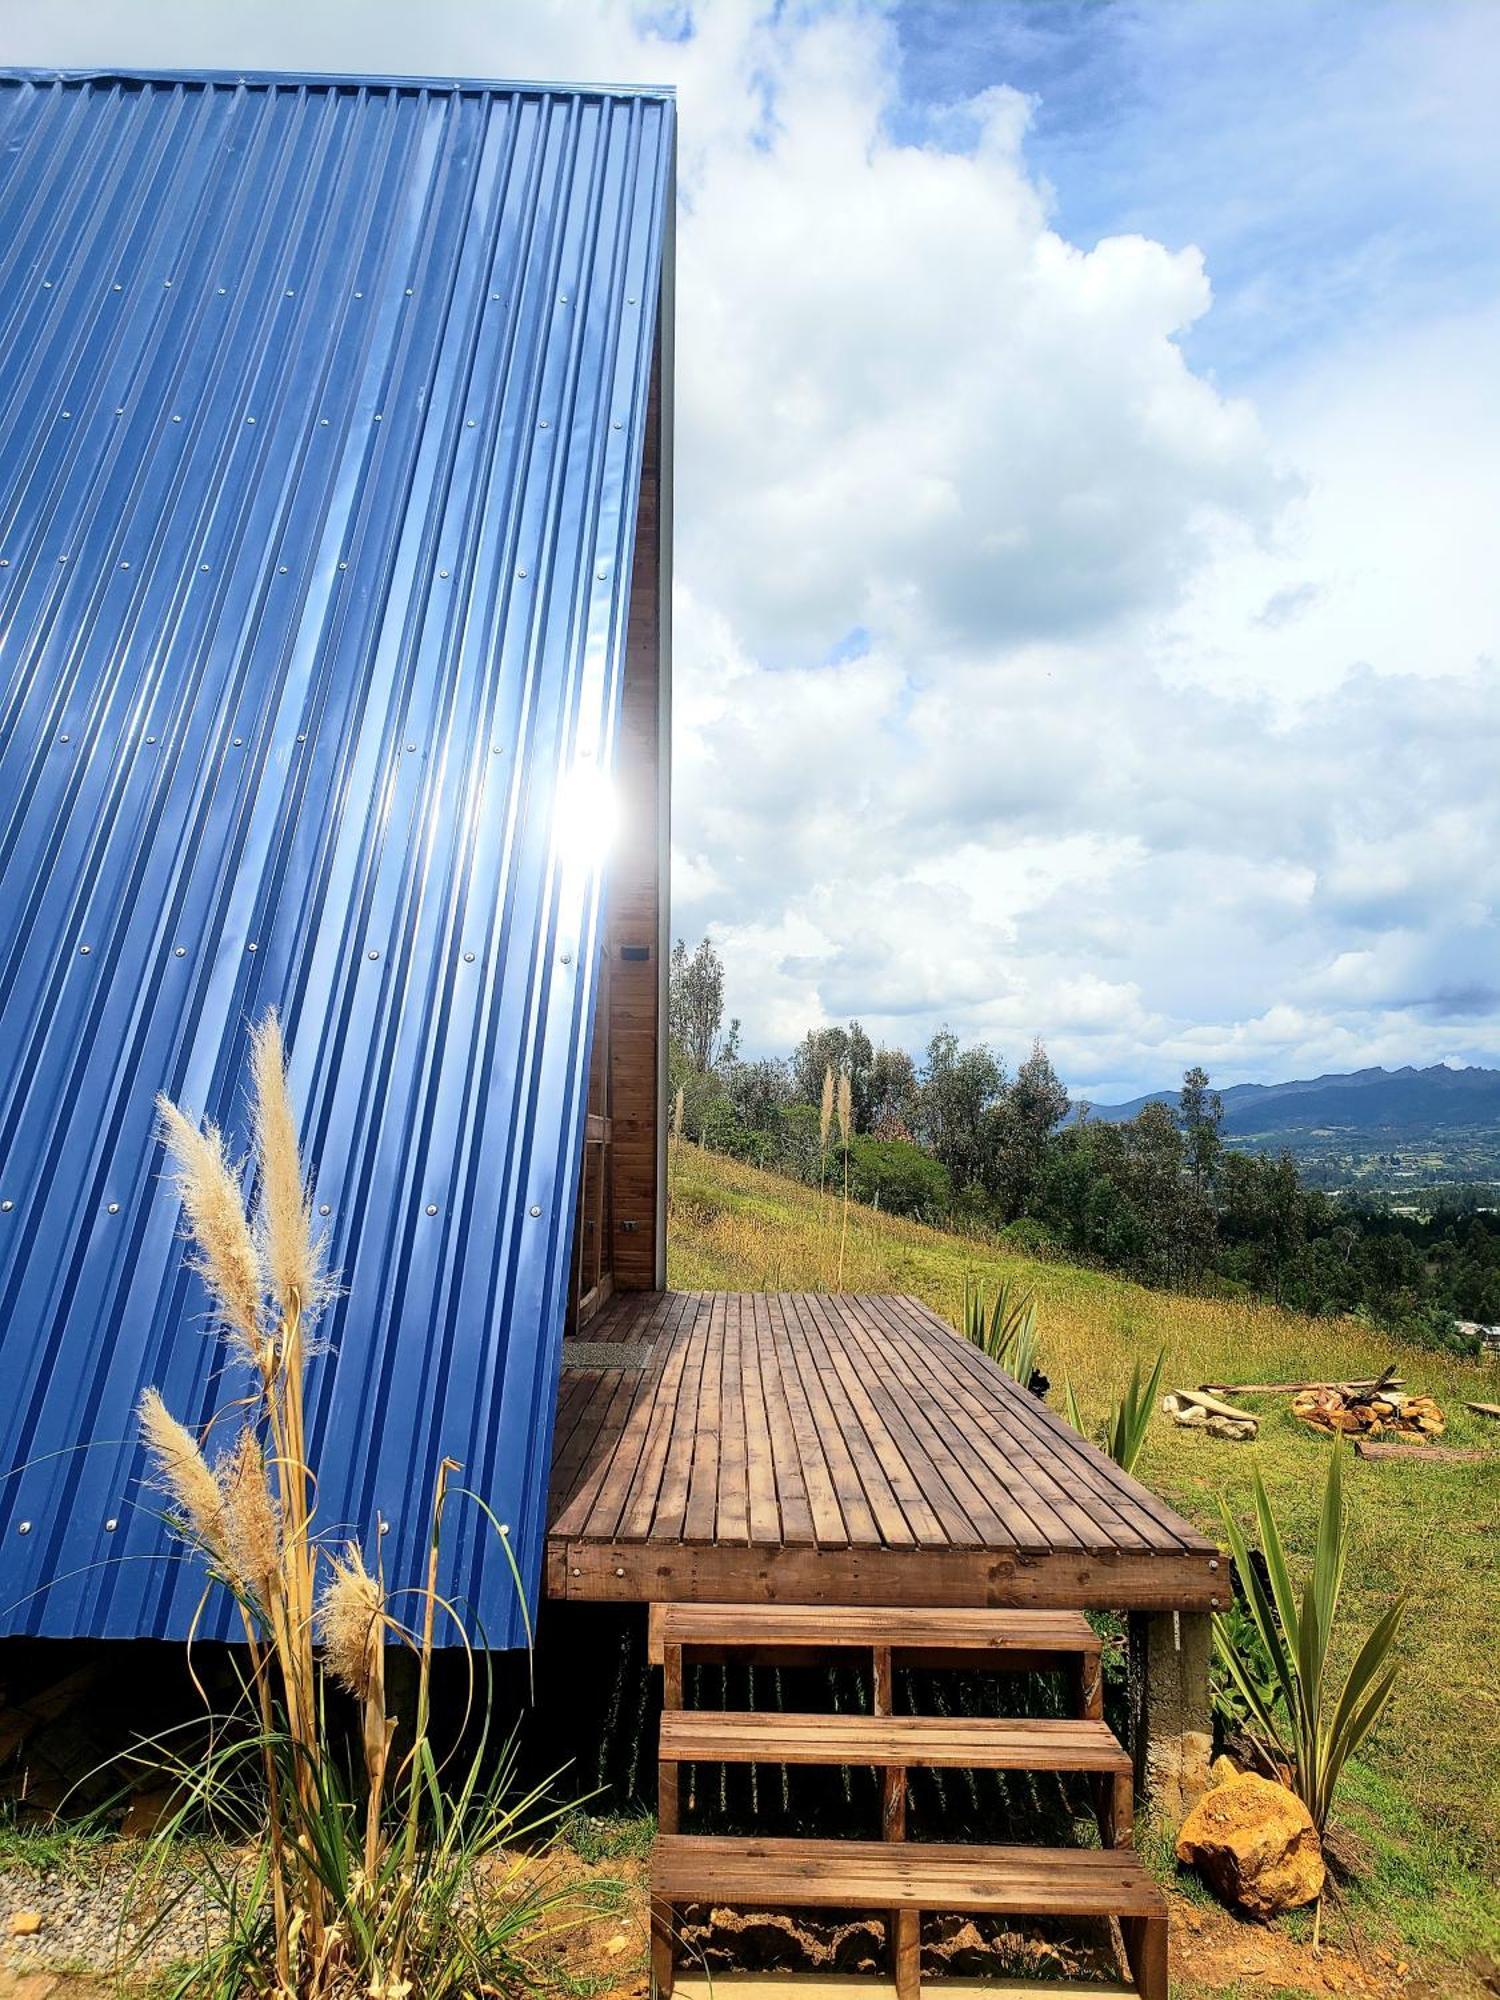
[1427,1799]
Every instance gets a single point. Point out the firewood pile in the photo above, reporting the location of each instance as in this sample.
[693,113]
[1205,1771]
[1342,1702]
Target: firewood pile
[1369,1410]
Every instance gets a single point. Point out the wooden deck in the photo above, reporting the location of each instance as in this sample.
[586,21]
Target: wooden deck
[828,1449]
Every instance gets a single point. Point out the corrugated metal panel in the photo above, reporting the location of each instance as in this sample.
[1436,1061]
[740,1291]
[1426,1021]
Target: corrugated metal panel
[322,407]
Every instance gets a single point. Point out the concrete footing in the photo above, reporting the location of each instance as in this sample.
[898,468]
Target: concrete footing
[1170,1653]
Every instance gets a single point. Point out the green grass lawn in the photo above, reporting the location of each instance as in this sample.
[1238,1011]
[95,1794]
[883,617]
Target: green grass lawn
[1424,1803]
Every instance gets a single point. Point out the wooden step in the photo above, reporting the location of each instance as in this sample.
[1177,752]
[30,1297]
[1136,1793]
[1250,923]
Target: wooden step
[905,1879]
[950,1742]
[911,1875]
[820,1628]
[867,1986]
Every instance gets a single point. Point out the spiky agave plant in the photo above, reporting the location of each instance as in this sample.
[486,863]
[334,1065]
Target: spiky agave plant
[1306,1726]
[369,1887]
[1006,1330]
[1127,1421]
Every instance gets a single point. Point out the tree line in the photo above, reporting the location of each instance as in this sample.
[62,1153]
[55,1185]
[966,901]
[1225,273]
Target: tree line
[956,1139]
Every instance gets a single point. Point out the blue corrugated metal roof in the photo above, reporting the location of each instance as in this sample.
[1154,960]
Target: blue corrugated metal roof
[322,407]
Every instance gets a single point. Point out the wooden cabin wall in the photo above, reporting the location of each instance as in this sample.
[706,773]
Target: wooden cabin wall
[618,1242]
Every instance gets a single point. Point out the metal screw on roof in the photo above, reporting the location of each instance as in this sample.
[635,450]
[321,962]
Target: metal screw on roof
[379,415]
[23,1527]
[619,1572]
[124,565]
[203,566]
[408,291]
[181,951]
[114,1208]
[6,1207]
[495,296]
[385,1528]
[249,420]
[64,739]
[67,413]
[544,425]
[521,573]
[291,294]
[46,284]
[601,572]
[117,288]
[359,295]
[563,300]
[62,559]
[251,947]
[222,290]
[281,569]
[442,573]
[469,425]
[84,950]
[150,739]
[615,425]
[239,742]
[630,302]
[567,958]
[411,746]
[535,1212]
[166,281]
[119,409]
[468,958]
[110,1525]
[4,562]
[175,419]
[323,423]
[374,954]
[324,1209]
[432,1208]
[578,1572]
[302,739]
[505,1527]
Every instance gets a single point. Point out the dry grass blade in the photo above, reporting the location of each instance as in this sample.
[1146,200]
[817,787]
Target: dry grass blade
[825,1109]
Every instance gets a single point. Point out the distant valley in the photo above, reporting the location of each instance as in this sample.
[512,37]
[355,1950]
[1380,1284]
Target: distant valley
[1403,1132]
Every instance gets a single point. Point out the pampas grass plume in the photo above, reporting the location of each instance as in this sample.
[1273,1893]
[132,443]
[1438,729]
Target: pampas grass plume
[351,1615]
[292,1251]
[208,1187]
[182,1473]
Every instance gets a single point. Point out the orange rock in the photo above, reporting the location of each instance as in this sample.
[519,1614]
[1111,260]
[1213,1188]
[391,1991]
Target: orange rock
[25,1923]
[1255,1844]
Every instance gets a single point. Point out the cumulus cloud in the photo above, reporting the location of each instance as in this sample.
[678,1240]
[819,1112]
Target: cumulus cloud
[1026,678]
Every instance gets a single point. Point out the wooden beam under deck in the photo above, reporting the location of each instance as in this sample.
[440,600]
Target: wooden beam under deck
[832,1449]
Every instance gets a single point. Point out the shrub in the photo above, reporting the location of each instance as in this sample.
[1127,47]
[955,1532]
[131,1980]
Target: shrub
[894,1175]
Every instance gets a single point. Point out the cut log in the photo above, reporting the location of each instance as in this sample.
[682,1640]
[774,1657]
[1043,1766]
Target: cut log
[1484,1409]
[1204,1400]
[1295,1388]
[1428,1454]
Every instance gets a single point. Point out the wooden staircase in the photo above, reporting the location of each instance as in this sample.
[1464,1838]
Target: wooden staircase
[902,1879]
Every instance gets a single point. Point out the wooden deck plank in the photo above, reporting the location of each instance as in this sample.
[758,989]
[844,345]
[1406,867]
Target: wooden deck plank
[995,1508]
[830,1527]
[831,1448]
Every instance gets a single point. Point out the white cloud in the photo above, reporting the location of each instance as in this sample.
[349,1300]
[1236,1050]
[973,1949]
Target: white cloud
[1025,679]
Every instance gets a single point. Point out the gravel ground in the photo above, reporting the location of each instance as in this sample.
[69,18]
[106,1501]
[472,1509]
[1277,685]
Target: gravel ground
[100,1912]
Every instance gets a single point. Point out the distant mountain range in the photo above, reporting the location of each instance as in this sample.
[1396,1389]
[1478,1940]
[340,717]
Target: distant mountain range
[1394,1106]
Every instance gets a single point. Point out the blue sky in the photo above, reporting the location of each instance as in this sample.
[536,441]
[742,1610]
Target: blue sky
[1088,461]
